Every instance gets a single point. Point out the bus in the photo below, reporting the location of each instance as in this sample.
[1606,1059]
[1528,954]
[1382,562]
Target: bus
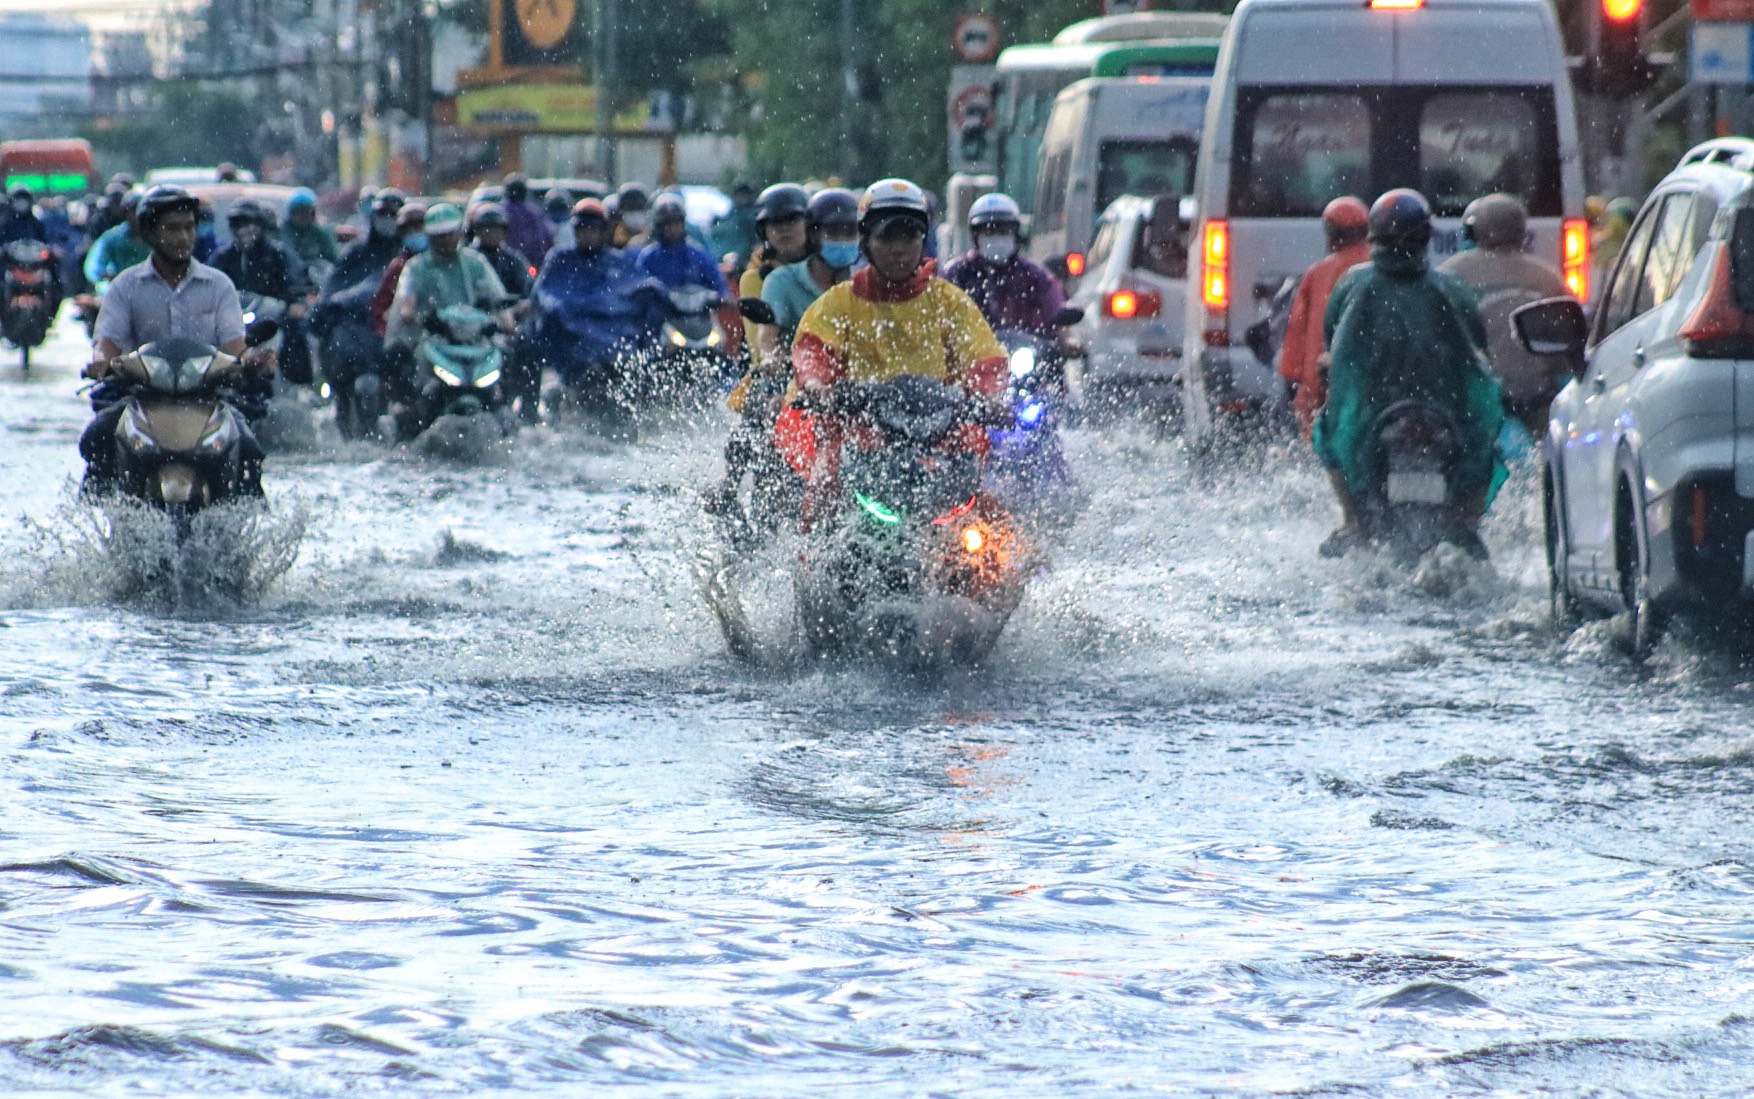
[55,167]
[1029,78]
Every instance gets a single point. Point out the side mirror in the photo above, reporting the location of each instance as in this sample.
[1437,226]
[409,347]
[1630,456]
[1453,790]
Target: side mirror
[1068,316]
[1554,326]
[257,333]
[1167,224]
[1058,267]
[756,311]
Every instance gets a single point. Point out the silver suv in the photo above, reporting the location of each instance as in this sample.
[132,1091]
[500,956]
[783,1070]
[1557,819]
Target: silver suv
[1649,478]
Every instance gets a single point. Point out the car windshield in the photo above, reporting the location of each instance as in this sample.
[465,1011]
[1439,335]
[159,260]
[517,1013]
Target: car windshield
[1298,148]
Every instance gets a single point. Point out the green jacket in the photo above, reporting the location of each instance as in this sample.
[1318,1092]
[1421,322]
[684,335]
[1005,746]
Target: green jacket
[311,242]
[1397,330]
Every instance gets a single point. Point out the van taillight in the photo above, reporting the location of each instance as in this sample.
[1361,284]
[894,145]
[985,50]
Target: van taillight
[1124,305]
[1718,328]
[1574,256]
[1215,265]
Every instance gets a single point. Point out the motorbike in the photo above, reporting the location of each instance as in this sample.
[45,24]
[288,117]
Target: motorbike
[1026,459]
[921,567]
[463,401]
[1409,509]
[691,355]
[352,357]
[30,297]
[181,436]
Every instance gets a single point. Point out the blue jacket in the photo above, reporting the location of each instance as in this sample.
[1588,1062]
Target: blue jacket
[682,264]
[590,307]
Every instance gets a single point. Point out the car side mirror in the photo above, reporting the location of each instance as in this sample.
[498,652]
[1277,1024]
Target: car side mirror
[1553,326]
[1167,223]
[1068,316]
[1058,267]
[756,311]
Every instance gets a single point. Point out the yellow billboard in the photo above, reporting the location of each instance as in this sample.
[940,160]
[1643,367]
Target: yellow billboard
[551,108]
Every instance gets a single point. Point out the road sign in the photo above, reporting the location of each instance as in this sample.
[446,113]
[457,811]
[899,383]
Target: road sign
[1721,53]
[976,40]
[969,116]
[1723,11]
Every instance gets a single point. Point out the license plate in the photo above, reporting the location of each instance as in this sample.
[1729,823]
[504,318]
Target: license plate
[1417,488]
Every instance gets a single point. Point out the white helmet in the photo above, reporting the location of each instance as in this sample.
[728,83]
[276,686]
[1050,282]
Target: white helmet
[889,198]
[994,209]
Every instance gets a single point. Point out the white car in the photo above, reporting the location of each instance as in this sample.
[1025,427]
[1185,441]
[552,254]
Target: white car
[1132,295]
[1649,478]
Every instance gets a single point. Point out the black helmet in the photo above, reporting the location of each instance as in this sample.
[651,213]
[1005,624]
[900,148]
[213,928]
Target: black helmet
[833,206]
[631,198]
[781,201]
[517,188]
[21,191]
[557,203]
[487,215]
[387,201]
[246,211]
[1401,220]
[669,208]
[161,200]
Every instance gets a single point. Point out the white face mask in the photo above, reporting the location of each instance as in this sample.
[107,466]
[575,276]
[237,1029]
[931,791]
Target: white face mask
[639,222]
[997,248]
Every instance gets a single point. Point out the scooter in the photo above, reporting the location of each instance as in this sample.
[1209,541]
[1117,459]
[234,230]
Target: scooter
[1026,467]
[461,406]
[31,296]
[920,567]
[1410,506]
[352,356]
[691,356]
[181,438]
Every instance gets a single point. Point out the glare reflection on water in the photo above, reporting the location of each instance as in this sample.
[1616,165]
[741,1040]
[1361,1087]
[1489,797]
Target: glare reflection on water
[473,801]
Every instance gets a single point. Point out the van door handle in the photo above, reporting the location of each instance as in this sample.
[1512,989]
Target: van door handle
[1638,357]
[1598,385]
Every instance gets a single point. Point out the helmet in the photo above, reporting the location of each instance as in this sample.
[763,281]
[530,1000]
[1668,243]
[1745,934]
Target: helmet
[994,209]
[517,188]
[442,217]
[21,191]
[1401,219]
[302,199]
[411,216]
[487,215]
[589,209]
[630,198]
[1495,221]
[387,201]
[1346,219]
[781,201]
[161,200]
[833,206]
[669,208]
[892,198]
[246,211]
[558,203]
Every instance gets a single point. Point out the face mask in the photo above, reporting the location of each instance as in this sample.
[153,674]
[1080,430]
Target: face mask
[839,254]
[638,222]
[246,235]
[998,249]
[415,242]
[384,225]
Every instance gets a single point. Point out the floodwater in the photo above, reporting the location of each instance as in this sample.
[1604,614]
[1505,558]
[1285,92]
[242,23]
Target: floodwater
[470,800]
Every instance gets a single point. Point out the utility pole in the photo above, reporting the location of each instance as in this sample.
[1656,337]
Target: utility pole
[849,112]
[603,75]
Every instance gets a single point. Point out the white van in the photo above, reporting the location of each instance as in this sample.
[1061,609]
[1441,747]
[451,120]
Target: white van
[1314,99]
[1108,137]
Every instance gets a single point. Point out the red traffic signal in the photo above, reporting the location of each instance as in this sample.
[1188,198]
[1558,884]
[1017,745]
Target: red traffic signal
[1618,67]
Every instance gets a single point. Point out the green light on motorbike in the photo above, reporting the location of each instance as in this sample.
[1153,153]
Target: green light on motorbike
[878,510]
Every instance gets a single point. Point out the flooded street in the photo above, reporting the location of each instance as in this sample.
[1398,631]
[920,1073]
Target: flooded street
[473,801]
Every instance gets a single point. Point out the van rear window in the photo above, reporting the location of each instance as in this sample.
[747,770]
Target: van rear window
[1145,168]
[1298,148]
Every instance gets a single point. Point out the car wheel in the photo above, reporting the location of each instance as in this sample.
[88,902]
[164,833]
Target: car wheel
[1561,603]
[1645,623]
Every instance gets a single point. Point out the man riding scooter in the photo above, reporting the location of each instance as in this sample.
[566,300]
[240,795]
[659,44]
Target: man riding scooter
[1013,291]
[674,260]
[257,262]
[1398,331]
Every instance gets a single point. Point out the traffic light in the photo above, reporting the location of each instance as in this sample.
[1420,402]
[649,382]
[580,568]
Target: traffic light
[1618,65]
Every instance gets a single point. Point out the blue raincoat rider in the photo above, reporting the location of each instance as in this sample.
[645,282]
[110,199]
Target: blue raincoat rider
[592,303]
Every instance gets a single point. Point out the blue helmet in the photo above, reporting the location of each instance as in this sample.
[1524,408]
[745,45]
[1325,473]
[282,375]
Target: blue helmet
[1401,219]
[302,199]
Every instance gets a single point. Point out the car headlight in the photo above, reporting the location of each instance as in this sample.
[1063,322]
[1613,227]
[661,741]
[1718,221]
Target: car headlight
[486,380]
[1022,362]
[678,339]
[445,375]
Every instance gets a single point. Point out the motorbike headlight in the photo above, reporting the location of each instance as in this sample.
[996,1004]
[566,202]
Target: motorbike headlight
[714,338]
[1031,413]
[487,380]
[1022,362]
[678,339]
[445,375]
[220,435]
[159,374]
[133,433]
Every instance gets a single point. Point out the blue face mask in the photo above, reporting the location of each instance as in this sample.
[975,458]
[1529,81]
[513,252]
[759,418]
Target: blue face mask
[415,242]
[840,253]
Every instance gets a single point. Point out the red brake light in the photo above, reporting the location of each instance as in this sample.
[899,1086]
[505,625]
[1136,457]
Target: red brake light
[1574,256]
[1718,329]
[1215,265]
[1075,264]
[1124,305]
